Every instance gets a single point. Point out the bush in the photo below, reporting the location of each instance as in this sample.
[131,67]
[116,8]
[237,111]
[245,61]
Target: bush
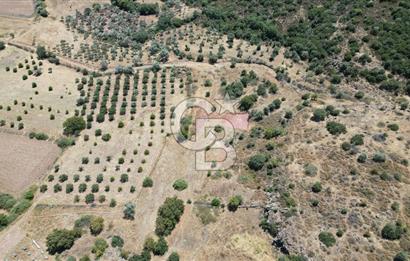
[317,187]
[74,125]
[117,241]
[89,198]
[148,182]
[362,158]
[335,128]
[96,226]
[319,115]
[401,256]
[310,169]
[180,185]
[129,211]
[234,203]
[235,89]
[65,142]
[2,45]
[247,102]
[168,216]
[61,239]
[327,239]
[7,201]
[269,227]
[161,247]
[393,127]
[379,157]
[392,231]
[106,137]
[100,245]
[216,202]
[173,257]
[357,140]
[257,162]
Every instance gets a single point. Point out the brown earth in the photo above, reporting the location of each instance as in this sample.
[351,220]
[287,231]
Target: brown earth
[23,161]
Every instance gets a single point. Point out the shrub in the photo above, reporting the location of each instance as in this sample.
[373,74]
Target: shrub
[41,136]
[357,140]
[401,256]
[168,216]
[106,137]
[216,202]
[319,115]
[327,239]
[393,127]
[317,187]
[310,169]
[147,183]
[335,128]
[65,142]
[129,211]
[362,158]
[247,102]
[392,231]
[379,157]
[234,203]
[74,125]
[124,178]
[96,226]
[269,227]
[7,201]
[100,245]
[346,146]
[161,247]
[173,257]
[89,198]
[61,239]
[117,241]
[180,185]
[257,162]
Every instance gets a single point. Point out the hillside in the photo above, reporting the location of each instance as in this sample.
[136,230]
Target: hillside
[204,130]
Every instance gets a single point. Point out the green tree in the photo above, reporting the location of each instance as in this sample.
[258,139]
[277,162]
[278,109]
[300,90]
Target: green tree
[60,240]
[161,247]
[41,52]
[74,125]
[168,216]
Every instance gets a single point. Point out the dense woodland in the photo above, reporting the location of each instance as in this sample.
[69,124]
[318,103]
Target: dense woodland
[327,34]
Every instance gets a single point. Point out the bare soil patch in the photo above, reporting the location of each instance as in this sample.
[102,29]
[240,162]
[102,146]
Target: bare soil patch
[16,7]
[23,161]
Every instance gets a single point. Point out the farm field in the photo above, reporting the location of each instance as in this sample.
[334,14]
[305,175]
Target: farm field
[24,8]
[23,161]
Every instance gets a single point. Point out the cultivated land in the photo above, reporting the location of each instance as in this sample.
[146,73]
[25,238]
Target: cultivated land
[16,8]
[23,161]
[321,172]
